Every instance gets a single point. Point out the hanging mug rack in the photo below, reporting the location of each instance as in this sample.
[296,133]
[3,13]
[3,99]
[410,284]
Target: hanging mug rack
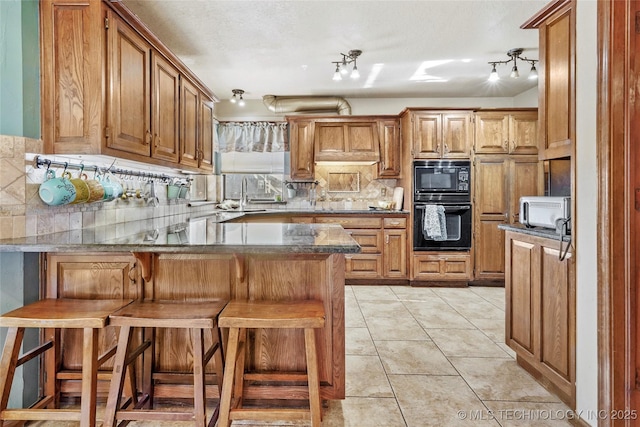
[39,161]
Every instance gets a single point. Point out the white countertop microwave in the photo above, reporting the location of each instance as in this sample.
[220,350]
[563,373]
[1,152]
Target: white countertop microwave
[547,212]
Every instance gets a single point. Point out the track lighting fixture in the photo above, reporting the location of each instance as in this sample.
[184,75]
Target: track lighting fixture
[341,66]
[514,56]
[237,97]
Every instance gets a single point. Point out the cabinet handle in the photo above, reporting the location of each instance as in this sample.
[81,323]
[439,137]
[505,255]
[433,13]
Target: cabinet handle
[446,148]
[505,145]
[147,138]
[513,145]
[506,216]
[387,239]
[157,141]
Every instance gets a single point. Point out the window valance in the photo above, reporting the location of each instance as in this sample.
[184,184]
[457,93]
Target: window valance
[252,137]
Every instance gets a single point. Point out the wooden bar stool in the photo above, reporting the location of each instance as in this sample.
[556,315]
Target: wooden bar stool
[53,315]
[195,316]
[239,316]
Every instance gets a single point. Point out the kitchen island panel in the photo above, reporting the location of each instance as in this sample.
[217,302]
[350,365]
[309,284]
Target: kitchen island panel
[258,277]
[91,276]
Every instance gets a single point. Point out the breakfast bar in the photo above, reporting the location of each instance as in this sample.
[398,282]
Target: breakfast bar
[200,259]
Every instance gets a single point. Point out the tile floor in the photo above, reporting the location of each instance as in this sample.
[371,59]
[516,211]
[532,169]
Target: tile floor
[420,357]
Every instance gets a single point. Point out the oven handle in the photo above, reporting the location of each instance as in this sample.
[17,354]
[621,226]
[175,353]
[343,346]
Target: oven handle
[448,207]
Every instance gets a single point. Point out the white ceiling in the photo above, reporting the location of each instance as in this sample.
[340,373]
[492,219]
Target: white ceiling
[285,48]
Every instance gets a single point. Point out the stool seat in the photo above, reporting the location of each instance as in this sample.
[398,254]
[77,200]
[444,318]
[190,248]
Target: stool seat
[53,315]
[240,315]
[269,314]
[158,314]
[63,313]
[194,316]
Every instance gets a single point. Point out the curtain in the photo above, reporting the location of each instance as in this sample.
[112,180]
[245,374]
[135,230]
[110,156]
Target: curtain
[252,137]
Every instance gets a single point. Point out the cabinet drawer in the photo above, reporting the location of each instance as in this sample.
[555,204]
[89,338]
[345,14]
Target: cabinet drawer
[351,222]
[367,266]
[395,223]
[442,267]
[369,240]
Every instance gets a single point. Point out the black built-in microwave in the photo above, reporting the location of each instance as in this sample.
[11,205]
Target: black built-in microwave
[442,180]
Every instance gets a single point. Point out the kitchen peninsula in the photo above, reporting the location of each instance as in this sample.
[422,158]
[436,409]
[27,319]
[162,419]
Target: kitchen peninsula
[200,259]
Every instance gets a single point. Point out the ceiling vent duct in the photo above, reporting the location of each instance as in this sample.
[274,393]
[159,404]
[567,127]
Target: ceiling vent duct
[305,104]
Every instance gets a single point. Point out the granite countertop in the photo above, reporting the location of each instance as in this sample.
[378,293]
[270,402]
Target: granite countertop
[195,235]
[547,233]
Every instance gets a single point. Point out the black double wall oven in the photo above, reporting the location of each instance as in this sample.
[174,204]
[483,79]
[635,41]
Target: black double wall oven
[442,186]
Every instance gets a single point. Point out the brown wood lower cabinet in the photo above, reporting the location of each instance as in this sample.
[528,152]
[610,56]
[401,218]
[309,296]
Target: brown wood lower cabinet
[384,246]
[540,310]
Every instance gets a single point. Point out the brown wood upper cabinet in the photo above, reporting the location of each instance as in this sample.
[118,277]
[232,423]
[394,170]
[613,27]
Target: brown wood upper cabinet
[441,134]
[389,132]
[122,93]
[556,86]
[506,132]
[196,127]
[301,146]
[337,140]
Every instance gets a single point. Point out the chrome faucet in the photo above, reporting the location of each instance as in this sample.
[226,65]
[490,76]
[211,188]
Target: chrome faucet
[243,193]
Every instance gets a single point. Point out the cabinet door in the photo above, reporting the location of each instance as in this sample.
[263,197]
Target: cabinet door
[456,135]
[189,109]
[491,209]
[525,179]
[330,142]
[427,136]
[362,141]
[521,283]
[389,132]
[523,132]
[72,63]
[491,186]
[84,277]
[395,254]
[557,84]
[491,133]
[128,97]
[557,313]
[301,133]
[489,250]
[205,133]
[165,101]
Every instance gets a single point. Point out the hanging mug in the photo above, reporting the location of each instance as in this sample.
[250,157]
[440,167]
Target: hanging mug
[82,189]
[56,191]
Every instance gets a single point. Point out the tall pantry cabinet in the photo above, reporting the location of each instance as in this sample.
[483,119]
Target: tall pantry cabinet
[506,167]
[109,86]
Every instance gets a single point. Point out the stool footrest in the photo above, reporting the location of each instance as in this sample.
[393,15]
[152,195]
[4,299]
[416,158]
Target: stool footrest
[269,414]
[41,414]
[107,355]
[34,353]
[276,376]
[154,415]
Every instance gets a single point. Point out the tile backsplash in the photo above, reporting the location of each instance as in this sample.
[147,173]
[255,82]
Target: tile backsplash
[22,213]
